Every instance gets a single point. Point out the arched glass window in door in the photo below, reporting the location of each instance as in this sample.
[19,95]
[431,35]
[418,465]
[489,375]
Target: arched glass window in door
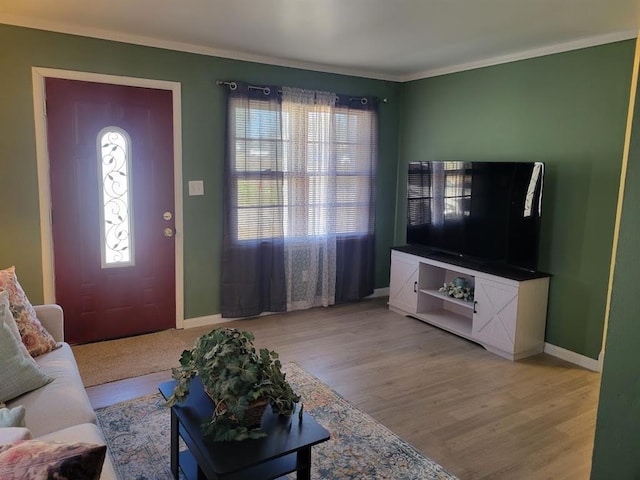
[116,212]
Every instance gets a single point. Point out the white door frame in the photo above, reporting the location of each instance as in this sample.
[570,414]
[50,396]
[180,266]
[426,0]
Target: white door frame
[38,75]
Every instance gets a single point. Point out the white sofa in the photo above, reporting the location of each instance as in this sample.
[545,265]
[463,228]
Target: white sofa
[60,410]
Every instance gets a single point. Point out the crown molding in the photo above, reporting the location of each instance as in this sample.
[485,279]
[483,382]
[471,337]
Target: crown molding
[116,36]
[247,57]
[524,55]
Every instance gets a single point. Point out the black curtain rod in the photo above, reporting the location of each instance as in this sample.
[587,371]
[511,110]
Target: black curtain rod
[267,91]
[234,86]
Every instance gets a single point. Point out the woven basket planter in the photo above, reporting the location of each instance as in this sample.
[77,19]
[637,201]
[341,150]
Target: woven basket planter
[253,415]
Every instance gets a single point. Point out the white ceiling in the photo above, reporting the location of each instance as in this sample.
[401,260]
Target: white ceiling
[387,39]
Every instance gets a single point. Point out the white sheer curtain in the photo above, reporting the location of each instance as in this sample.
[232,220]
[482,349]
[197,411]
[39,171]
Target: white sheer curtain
[308,124]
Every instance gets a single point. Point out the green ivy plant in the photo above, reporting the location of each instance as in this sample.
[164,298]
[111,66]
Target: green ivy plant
[236,376]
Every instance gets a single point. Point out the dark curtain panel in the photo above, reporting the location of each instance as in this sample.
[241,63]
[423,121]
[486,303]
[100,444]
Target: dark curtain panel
[253,276]
[355,256]
[253,279]
[355,272]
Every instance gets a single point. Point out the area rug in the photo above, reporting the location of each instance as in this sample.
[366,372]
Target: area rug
[138,431]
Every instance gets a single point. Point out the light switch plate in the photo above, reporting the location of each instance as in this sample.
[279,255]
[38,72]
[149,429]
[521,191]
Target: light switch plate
[196,187]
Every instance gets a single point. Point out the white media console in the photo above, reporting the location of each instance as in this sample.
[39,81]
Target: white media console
[508,313]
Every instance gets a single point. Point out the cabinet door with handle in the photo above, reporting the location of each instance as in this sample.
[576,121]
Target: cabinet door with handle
[403,287]
[496,309]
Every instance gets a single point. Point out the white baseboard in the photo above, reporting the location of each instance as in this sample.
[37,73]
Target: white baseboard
[379,292]
[572,357]
[215,319]
[204,321]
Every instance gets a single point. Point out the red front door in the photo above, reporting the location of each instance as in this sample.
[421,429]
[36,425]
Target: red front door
[111,172]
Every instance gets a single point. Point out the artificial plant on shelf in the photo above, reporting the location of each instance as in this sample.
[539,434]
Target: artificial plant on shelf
[458,288]
[238,378]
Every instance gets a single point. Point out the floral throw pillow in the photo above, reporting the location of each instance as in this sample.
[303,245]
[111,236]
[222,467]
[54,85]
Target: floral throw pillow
[34,336]
[33,459]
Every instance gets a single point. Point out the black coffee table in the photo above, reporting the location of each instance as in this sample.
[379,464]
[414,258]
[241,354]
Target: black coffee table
[285,449]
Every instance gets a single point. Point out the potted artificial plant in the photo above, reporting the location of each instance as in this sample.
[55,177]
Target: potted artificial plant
[240,381]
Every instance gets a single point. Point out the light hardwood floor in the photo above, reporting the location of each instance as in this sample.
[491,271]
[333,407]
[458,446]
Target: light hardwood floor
[478,415]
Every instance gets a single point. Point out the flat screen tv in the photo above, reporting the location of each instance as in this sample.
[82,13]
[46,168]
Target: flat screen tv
[486,212]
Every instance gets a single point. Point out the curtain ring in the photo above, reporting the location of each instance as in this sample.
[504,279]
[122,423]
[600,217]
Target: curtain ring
[266,90]
[364,101]
[233,86]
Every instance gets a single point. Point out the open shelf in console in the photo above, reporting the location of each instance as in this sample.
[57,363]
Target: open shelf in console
[449,313]
[447,320]
[447,298]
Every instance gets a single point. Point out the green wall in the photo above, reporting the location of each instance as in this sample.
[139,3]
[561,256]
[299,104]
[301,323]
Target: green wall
[617,439]
[203,119]
[567,110]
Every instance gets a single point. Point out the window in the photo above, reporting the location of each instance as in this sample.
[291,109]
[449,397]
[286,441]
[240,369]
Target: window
[114,172]
[299,208]
[287,188]
[257,170]
[355,130]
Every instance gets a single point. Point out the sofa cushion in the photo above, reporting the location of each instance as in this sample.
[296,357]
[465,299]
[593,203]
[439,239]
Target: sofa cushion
[13,434]
[34,335]
[12,417]
[86,432]
[18,373]
[35,460]
[63,402]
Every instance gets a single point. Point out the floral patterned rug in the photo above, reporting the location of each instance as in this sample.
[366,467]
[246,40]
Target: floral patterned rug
[137,433]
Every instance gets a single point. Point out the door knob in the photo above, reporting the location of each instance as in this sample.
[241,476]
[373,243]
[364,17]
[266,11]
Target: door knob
[168,232]
[167,216]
